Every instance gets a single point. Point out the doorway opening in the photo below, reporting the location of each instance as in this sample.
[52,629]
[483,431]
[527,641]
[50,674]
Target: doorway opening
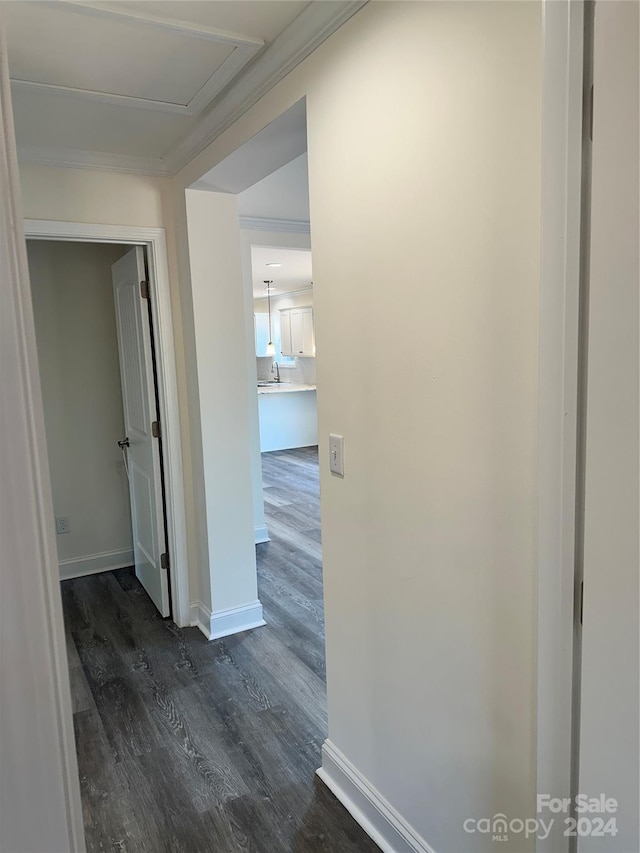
[161,384]
[275,237]
[99,382]
[289,545]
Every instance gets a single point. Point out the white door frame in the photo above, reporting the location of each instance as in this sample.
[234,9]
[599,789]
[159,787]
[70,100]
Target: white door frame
[155,242]
[558,399]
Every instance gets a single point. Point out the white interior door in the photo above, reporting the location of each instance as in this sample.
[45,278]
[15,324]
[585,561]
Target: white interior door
[143,451]
[610,660]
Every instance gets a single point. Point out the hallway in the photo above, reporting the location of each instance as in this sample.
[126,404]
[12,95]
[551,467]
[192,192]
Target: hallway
[186,745]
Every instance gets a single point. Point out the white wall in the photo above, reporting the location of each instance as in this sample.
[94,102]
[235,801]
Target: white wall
[80,376]
[83,195]
[434,702]
[219,318]
[424,152]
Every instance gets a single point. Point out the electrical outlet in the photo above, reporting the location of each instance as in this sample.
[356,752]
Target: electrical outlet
[63,524]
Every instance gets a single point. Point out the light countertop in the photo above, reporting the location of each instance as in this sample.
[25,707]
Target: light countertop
[284,388]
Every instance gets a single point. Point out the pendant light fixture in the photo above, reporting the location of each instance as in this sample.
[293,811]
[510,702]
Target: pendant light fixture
[271,350]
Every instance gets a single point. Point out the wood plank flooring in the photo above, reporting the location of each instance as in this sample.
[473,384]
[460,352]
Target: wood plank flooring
[210,747]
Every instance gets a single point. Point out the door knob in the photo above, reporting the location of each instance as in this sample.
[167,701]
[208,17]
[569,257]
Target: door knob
[124,443]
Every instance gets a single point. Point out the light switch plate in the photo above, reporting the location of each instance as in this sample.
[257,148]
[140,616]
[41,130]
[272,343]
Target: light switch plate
[336,454]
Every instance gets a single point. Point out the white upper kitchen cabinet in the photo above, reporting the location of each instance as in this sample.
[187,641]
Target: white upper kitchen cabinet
[297,332]
[286,343]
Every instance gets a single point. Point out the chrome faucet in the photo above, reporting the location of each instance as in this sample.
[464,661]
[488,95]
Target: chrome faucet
[277,370]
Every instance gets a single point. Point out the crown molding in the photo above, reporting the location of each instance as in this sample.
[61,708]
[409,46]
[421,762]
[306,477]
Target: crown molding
[282,293]
[289,226]
[313,26]
[71,158]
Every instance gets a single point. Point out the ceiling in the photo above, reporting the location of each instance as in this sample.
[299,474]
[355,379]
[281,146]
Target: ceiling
[278,143]
[283,195]
[293,274]
[145,86]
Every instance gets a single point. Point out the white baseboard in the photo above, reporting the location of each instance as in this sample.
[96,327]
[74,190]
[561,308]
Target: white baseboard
[261,534]
[375,815]
[223,623]
[92,564]
[236,619]
[201,618]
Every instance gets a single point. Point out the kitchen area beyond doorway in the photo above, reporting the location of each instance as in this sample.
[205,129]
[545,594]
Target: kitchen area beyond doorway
[285,347]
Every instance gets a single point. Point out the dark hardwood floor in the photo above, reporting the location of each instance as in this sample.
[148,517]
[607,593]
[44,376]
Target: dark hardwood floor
[210,747]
